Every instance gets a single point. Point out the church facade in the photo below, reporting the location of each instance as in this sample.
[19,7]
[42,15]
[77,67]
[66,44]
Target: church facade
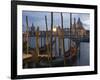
[77,28]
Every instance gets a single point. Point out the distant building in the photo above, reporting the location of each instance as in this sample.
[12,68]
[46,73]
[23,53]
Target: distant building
[32,31]
[32,28]
[77,28]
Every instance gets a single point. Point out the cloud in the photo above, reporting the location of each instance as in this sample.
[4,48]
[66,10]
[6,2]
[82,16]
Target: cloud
[38,19]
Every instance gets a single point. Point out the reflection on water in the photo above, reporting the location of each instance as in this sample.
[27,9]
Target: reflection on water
[42,41]
[83,54]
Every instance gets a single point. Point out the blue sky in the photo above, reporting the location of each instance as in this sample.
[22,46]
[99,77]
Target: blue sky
[38,19]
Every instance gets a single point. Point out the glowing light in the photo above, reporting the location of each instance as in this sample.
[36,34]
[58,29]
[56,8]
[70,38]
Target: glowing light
[54,29]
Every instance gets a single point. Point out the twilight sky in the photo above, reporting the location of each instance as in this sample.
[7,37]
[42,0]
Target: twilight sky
[38,19]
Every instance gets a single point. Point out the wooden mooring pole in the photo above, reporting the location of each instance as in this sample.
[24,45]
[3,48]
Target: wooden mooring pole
[47,40]
[51,36]
[27,33]
[63,46]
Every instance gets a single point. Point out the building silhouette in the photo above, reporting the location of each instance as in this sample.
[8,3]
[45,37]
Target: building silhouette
[32,31]
[77,28]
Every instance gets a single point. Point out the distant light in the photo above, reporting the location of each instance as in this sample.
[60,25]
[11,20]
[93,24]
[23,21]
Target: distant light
[54,29]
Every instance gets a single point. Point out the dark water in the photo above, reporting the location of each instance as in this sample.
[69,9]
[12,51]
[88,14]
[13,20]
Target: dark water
[32,44]
[83,54]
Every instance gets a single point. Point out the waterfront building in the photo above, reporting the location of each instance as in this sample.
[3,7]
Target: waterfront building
[77,28]
[32,32]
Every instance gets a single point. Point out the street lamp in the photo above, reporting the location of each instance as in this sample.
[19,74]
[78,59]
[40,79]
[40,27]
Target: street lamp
[54,29]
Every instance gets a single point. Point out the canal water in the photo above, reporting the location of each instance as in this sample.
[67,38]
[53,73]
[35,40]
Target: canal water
[32,44]
[83,54]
